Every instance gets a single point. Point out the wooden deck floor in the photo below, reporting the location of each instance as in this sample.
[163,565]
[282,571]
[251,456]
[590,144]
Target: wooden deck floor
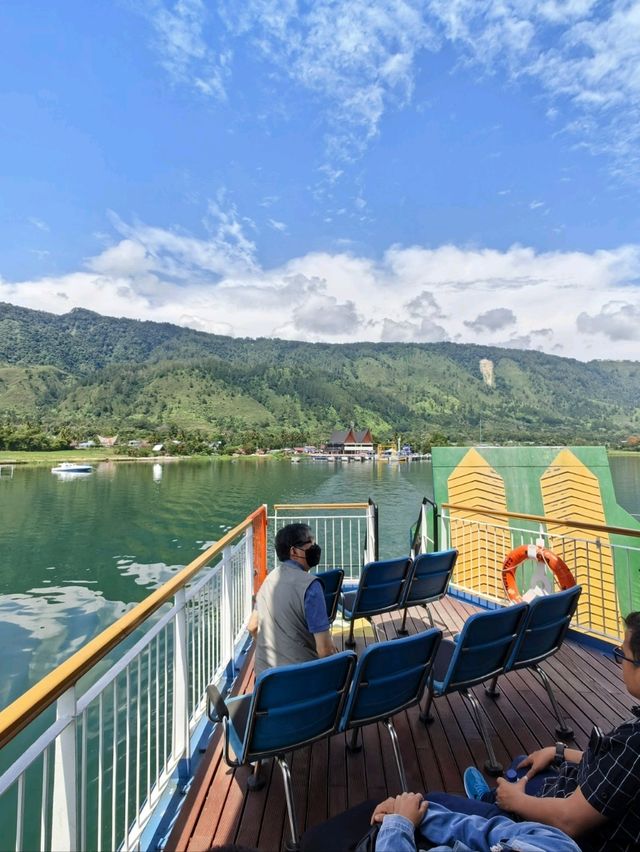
[327,779]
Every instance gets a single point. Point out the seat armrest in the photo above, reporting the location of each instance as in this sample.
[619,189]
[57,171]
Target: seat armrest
[216,705]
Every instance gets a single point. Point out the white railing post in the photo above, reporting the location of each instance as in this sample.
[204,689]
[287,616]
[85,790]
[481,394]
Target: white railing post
[226,618]
[64,837]
[424,529]
[370,549]
[180,733]
[444,537]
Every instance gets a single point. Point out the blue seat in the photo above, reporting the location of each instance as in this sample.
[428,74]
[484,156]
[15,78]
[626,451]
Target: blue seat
[290,707]
[332,587]
[542,635]
[390,677]
[382,588]
[481,651]
[431,576]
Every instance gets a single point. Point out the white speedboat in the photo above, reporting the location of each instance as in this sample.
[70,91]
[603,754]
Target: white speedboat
[72,467]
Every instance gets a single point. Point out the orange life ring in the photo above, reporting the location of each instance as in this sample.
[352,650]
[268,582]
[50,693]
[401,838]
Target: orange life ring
[559,567]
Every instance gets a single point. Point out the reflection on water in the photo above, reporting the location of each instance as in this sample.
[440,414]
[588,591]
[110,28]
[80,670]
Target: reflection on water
[76,553]
[70,475]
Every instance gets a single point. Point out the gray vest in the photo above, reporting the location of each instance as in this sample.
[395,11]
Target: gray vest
[283,636]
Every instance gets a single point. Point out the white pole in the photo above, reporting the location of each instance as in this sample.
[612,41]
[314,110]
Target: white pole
[65,803]
[179,746]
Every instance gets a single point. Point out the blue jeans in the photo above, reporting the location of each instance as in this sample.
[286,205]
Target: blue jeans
[450,831]
[487,807]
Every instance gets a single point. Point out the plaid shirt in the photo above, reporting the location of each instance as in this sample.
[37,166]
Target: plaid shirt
[609,779]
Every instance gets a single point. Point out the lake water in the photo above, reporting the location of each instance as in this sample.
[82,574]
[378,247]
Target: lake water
[76,553]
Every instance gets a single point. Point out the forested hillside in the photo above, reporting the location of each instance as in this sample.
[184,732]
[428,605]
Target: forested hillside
[83,373]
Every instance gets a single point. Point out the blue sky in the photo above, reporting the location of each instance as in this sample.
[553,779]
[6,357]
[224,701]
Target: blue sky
[461,170]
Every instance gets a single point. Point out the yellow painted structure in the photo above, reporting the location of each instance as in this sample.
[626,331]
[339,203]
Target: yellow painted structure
[475,483]
[570,490]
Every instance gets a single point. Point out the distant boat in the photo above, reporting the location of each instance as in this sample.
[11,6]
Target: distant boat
[72,467]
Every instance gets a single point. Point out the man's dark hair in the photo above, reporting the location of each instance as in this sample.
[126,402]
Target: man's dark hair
[632,623]
[290,536]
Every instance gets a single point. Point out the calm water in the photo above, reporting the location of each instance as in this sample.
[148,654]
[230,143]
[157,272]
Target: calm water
[75,553]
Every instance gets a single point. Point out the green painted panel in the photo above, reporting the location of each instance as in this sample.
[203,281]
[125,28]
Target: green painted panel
[521,469]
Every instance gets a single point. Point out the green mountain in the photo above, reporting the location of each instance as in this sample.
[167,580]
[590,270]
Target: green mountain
[88,373]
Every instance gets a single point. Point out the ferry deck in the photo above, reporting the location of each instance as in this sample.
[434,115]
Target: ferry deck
[327,778]
[113,749]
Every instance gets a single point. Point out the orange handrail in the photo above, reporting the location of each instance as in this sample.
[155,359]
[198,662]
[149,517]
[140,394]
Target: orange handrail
[30,704]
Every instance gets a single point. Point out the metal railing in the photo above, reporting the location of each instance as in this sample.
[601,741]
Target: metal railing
[98,743]
[347,532]
[425,532]
[602,559]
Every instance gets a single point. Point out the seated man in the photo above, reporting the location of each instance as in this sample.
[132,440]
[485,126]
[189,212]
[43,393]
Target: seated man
[290,623]
[594,795]
[410,822]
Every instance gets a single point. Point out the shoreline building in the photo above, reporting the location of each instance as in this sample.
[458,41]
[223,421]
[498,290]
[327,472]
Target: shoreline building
[350,442]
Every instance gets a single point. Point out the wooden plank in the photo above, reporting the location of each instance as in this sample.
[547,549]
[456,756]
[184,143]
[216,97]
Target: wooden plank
[254,808]
[327,779]
[318,799]
[337,774]
[274,815]
[211,767]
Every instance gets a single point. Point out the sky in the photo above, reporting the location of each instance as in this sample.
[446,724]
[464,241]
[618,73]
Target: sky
[332,170]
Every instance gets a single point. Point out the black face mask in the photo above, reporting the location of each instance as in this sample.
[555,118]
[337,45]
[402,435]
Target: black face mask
[312,555]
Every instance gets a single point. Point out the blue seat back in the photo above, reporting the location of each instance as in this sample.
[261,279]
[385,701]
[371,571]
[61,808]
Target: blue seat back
[382,586]
[431,575]
[295,705]
[332,586]
[389,677]
[483,647]
[545,627]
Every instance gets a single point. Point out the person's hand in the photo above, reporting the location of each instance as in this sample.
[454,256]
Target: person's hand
[538,760]
[510,793]
[382,810]
[412,806]
[409,805]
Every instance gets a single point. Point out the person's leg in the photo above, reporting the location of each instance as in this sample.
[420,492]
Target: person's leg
[462,805]
[535,784]
[341,833]
[533,787]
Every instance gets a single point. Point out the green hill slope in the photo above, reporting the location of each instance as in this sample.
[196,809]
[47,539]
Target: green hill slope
[86,371]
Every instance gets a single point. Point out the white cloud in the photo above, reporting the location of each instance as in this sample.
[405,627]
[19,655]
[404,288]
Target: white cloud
[38,223]
[277,226]
[322,314]
[617,321]
[185,52]
[425,303]
[358,58]
[574,303]
[425,331]
[584,54]
[492,320]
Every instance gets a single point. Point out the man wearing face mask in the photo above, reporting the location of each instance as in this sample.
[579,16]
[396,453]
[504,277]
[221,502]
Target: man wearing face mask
[290,623]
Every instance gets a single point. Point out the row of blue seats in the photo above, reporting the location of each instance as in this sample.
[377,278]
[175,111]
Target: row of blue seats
[294,706]
[389,585]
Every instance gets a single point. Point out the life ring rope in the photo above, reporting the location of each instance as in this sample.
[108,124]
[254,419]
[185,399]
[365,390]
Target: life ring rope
[519,554]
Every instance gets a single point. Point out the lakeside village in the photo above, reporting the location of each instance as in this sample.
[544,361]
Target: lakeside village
[347,445]
[344,445]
